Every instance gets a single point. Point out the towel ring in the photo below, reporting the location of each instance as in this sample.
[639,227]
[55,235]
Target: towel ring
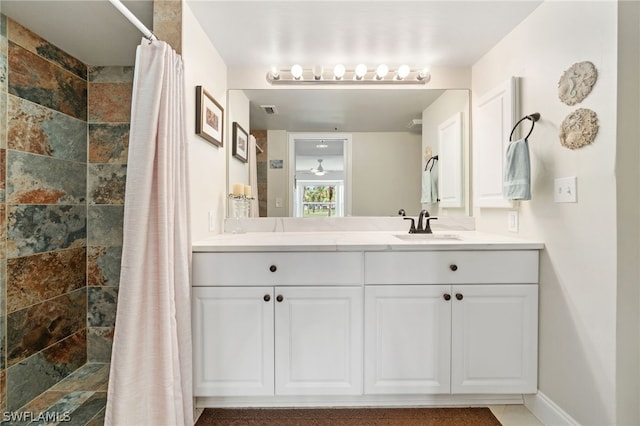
[434,159]
[533,117]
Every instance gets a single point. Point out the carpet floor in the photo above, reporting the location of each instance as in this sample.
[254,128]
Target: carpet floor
[349,417]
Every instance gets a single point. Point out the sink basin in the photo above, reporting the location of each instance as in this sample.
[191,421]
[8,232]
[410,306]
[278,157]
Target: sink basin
[426,237]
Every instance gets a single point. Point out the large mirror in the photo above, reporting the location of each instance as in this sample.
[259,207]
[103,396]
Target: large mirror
[352,152]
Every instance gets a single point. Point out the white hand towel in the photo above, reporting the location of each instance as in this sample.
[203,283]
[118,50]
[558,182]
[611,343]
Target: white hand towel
[429,187]
[517,172]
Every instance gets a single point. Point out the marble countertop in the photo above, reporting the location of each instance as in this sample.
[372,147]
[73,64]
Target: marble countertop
[362,241]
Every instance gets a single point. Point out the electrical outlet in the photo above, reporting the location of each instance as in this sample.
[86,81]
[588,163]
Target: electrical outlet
[212,221]
[512,221]
[278,202]
[565,190]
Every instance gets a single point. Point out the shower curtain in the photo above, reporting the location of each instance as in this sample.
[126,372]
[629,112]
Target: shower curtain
[151,380]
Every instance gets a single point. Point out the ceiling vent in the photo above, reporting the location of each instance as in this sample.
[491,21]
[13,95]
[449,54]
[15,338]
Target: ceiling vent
[414,124]
[269,109]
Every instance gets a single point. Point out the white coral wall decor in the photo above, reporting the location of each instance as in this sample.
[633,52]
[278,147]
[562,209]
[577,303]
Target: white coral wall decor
[579,128]
[576,82]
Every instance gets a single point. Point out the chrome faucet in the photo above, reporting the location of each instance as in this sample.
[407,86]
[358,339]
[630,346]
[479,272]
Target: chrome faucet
[419,229]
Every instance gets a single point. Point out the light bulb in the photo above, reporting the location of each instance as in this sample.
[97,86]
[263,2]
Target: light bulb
[338,71]
[403,72]
[274,72]
[381,71]
[361,71]
[296,71]
[424,74]
[317,72]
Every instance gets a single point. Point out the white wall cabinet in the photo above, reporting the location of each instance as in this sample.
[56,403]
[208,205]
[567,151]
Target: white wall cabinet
[494,115]
[450,162]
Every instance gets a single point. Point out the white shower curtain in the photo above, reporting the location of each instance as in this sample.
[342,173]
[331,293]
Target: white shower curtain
[151,379]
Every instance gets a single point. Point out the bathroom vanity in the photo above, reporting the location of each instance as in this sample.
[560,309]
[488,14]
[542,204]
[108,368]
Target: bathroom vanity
[364,318]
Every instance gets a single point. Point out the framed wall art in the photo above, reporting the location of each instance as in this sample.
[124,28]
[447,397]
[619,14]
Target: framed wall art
[240,143]
[209,117]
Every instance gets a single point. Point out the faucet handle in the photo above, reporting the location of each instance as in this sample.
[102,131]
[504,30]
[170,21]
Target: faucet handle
[427,226]
[412,229]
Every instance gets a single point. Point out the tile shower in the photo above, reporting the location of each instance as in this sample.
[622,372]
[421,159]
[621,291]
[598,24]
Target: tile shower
[63,150]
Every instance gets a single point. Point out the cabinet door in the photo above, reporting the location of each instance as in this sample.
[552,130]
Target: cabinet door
[407,339]
[494,339]
[318,341]
[233,341]
[450,164]
[494,115]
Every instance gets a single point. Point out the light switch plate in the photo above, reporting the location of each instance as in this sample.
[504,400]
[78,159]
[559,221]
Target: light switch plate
[212,221]
[565,190]
[512,218]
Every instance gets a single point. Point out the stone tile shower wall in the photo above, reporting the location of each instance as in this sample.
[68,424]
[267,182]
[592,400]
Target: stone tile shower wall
[109,114]
[63,149]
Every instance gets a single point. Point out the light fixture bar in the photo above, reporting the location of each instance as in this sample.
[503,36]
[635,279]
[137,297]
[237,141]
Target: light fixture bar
[342,75]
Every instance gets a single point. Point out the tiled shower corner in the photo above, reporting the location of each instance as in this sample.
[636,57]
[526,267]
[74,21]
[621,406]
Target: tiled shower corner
[64,130]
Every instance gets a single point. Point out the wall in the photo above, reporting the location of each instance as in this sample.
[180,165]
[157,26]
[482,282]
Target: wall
[64,135]
[370,173]
[578,269]
[278,178]
[628,206]
[45,234]
[380,187]
[3,209]
[207,163]
[262,160]
[109,115]
[439,111]
[238,111]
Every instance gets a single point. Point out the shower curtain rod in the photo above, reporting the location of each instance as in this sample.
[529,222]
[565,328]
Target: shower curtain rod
[133,19]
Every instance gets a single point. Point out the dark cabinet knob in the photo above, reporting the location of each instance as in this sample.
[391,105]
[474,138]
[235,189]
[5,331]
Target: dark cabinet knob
[273,268]
[459,296]
[453,267]
[446,296]
[279,298]
[266,297]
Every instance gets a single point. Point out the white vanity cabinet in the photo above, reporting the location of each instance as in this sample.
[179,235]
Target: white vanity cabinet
[434,325]
[389,323]
[277,324]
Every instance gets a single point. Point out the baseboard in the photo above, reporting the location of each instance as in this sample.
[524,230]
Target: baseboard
[360,401]
[547,411]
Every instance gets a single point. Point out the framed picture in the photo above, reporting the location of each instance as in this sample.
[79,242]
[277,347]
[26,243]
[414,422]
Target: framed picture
[240,143]
[209,117]
[275,164]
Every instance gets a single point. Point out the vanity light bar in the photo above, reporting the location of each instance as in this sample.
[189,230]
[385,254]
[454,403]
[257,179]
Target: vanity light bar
[340,74]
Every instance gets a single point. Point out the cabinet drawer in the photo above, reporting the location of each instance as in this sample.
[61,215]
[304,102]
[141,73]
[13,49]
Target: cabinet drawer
[451,267]
[307,268]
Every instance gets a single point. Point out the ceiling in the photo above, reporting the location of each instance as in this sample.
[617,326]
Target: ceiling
[342,110]
[451,33]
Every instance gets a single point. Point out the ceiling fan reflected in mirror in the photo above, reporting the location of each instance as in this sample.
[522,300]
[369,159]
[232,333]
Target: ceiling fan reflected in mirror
[319,170]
